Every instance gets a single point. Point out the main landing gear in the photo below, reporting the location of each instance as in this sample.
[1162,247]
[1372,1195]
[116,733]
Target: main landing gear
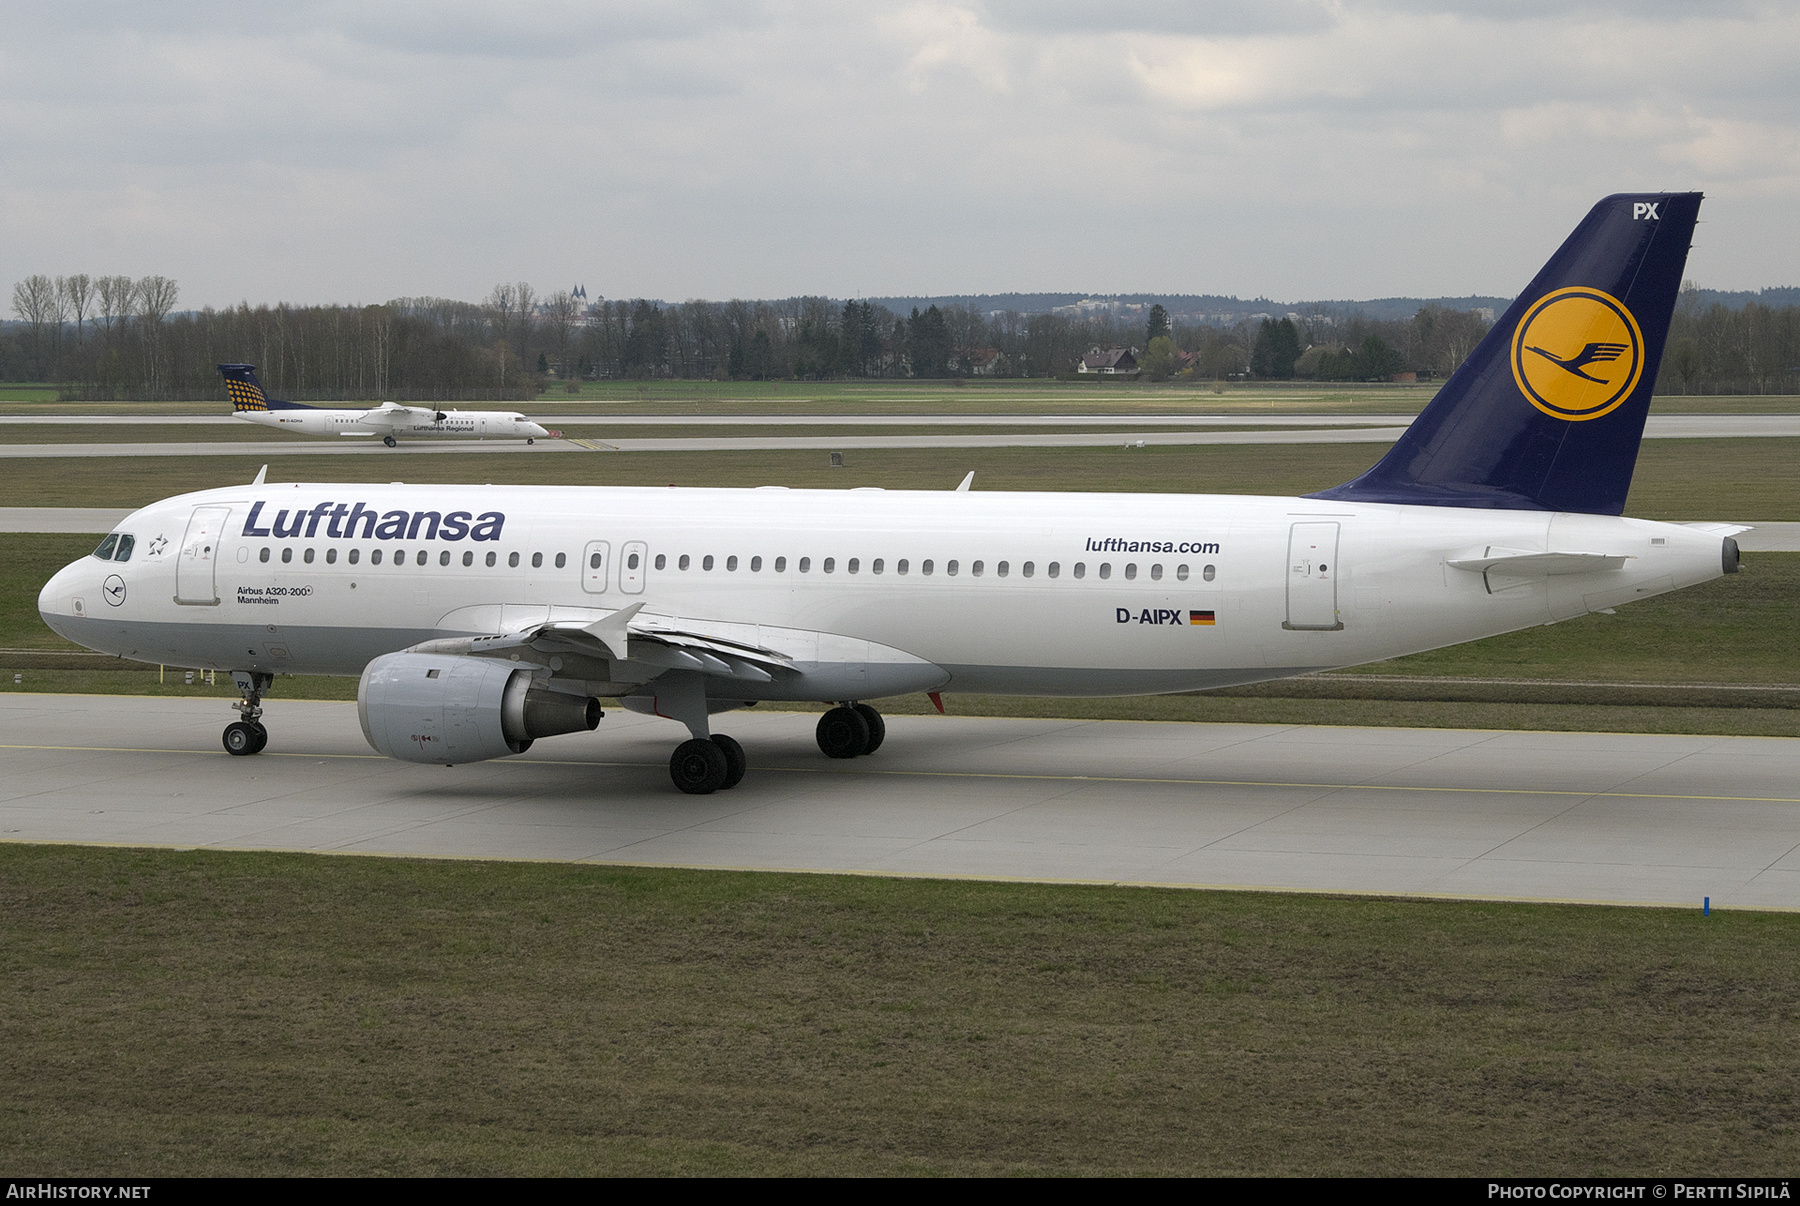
[247,736]
[390,441]
[704,765]
[851,730]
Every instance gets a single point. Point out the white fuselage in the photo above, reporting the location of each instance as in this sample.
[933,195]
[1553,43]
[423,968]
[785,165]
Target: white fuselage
[398,422]
[1045,594]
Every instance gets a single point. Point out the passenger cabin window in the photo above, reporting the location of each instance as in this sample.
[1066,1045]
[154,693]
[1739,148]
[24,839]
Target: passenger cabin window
[444,557]
[562,559]
[683,563]
[756,565]
[731,563]
[1081,569]
[1106,569]
[1001,569]
[355,556]
[901,565]
[307,557]
[537,561]
[1055,569]
[1028,569]
[330,556]
[468,558]
[830,564]
[512,561]
[492,560]
[1206,573]
[287,555]
[1130,572]
[950,569]
[855,563]
[976,569]
[781,565]
[263,556]
[1156,573]
[925,567]
[631,562]
[706,563]
[876,566]
[805,564]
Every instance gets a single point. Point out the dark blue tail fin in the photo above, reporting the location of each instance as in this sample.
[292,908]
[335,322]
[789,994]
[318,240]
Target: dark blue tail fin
[246,392]
[1547,412]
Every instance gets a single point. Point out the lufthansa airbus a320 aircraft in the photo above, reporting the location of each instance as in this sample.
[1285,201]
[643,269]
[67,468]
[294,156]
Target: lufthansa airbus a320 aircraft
[481,618]
[390,420]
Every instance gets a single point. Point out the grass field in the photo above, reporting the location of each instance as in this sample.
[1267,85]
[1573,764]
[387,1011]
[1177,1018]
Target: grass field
[1676,479]
[202,1013]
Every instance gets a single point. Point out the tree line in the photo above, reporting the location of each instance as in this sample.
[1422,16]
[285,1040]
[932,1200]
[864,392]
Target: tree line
[115,337]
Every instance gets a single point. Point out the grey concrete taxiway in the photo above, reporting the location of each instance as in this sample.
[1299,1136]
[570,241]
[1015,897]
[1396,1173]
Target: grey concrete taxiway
[1660,819]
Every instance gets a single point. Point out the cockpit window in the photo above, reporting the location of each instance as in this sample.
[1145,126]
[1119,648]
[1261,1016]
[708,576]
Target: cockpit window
[123,552]
[105,551]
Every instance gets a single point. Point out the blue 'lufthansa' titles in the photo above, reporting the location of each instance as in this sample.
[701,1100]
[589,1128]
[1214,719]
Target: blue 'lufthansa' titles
[342,520]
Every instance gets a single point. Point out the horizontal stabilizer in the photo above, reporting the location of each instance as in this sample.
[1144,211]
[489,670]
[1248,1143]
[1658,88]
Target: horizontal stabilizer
[1523,563]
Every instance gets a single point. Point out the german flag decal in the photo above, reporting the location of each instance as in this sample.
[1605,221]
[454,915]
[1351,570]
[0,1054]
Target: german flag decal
[1200,617]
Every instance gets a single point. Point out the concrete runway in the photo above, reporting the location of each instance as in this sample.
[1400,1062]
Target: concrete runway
[1658,427]
[1435,812]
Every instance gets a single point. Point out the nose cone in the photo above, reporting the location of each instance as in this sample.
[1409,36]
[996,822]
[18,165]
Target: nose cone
[535,430]
[56,602]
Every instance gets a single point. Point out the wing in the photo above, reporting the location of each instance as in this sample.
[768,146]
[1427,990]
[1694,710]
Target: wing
[630,641]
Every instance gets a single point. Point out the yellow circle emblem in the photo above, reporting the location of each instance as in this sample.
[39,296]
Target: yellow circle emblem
[1577,354]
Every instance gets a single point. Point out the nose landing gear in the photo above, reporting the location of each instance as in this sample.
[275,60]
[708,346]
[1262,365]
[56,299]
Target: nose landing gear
[247,736]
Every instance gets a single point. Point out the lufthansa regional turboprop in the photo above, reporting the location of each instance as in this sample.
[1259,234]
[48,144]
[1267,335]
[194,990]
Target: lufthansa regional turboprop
[390,420]
[481,618]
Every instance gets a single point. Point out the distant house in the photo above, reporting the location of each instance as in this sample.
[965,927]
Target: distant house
[986,362]
[1113,362]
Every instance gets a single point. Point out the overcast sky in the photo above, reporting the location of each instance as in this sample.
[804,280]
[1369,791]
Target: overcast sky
[1301,149]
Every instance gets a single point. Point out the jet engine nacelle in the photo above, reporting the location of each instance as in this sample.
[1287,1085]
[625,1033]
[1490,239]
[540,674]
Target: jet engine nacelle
[448,708]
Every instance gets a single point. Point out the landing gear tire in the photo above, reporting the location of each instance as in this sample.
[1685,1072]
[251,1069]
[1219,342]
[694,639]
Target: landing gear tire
[735,761]
[699,767]
[262,737]
[390,441]
[877,726]
[843,733]
[243,739]
[529,440]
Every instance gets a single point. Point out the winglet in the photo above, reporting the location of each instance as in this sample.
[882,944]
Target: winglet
[962,487]
[260,475]
[614,631]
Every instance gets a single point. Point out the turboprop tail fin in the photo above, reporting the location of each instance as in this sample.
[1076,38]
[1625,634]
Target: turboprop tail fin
[1547,412]
[246,392]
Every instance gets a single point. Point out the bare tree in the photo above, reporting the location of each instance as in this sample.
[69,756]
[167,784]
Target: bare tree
[114,293]
[500,305]
[561,310]
[153,297]
[78,293]
[527,315]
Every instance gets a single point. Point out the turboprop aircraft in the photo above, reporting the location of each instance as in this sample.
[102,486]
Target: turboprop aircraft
[481,618]
[390,420]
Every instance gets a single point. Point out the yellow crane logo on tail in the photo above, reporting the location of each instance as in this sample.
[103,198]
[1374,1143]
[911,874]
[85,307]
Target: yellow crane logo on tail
[1577,354]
